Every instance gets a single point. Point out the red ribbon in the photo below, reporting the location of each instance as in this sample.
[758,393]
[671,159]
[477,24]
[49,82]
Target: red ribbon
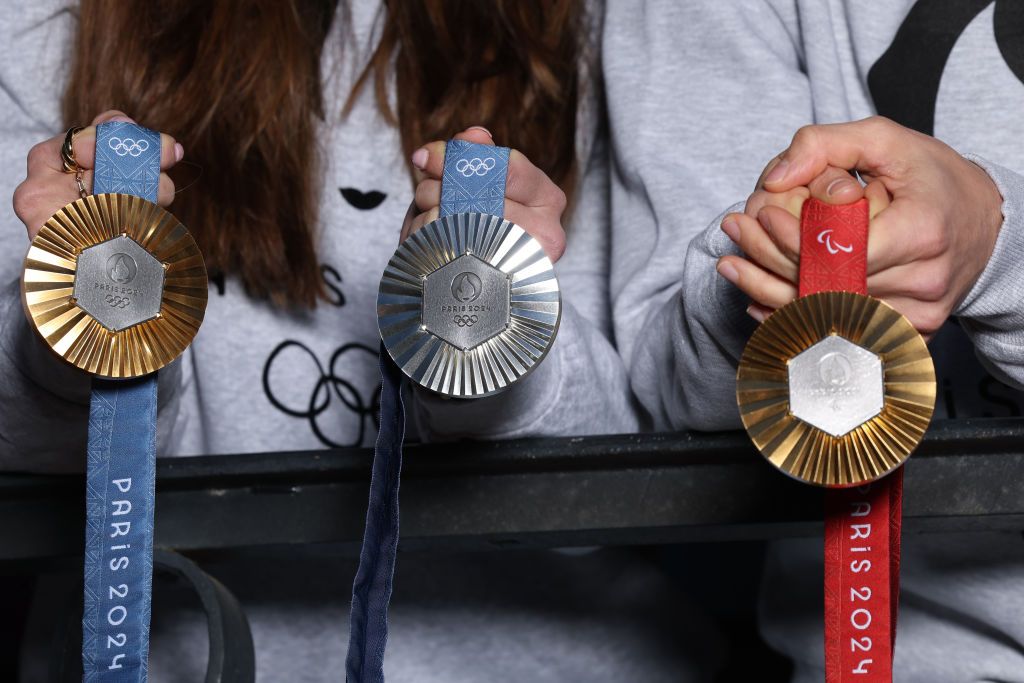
[862,524]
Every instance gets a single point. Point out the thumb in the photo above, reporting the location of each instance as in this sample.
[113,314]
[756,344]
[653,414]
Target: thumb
[477,134]
[836,186]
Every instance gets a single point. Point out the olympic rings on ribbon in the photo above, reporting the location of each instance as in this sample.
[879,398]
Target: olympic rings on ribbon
[125,146]
[480,167]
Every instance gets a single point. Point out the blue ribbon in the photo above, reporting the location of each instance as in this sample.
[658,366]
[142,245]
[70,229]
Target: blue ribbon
[121,463]
[473,180]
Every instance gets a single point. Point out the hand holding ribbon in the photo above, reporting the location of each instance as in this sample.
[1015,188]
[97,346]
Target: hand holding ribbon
[532,199]
[935,217]
[47,187]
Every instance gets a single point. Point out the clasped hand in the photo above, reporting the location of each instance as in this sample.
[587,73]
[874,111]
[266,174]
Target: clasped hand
[935,217]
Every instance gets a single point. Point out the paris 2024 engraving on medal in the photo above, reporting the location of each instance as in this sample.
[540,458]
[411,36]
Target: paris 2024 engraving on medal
[466,302]
[836,385]
[119,283]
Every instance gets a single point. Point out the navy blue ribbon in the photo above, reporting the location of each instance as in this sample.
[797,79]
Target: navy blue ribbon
[473,180]
[121,463]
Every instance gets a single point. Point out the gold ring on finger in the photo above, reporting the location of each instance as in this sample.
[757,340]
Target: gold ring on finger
[67,151]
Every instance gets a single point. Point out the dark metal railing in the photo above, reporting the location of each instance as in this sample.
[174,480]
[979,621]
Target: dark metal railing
[596,490]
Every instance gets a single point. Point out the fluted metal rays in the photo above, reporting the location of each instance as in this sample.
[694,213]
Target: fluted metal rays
[520,339]
[49,279]
[870,450]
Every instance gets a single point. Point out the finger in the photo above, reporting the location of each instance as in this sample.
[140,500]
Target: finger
[928,281]
[44,157]
[899,236]
[754,241]
[543,224]
[477,134]
[878,196]
[111,115]
[165,190]
[783,228]
[926,318]
[528,185]
[428,194]
[758,312]
[35,200]
[84,145]
[763,287]
[836,186]
[792,200]
[422,219]
[410,214]
[767,170]
[428,160]
[864,145]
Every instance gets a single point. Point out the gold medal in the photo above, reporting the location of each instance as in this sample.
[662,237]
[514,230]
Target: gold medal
[836,389]
[115,285]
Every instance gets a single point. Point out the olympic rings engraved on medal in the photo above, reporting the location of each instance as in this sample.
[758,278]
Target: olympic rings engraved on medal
[476,165]
[466,320]
[125,146]
[116,301]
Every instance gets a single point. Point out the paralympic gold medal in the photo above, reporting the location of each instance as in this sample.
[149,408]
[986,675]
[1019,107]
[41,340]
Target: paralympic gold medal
[836,388]
[115,285]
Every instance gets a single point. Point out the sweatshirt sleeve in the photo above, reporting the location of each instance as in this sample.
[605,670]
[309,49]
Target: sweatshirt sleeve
[44,421]
[700,97]
[992,313]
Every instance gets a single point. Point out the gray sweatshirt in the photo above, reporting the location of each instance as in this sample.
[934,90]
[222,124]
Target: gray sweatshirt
[247,384]
[701,95]
[249,380]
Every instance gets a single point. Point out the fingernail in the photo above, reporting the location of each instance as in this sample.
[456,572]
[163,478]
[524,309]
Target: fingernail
[179,152]
[778,172]
[729,272]
[419,158]
[837,186]
[483,129]
[731,228]
[122,119]
[756,313]
[766,223]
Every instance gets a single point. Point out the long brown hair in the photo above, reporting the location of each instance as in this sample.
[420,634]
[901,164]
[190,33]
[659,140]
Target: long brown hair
[238,83]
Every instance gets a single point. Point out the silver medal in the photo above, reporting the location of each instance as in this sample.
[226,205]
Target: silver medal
[468,305]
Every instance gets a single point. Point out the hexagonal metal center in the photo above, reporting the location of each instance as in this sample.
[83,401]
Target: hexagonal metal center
[119,283]
[466,302]
[836,385]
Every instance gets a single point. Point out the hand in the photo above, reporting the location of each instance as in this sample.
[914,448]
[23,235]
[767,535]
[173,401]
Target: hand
[47,188]
[770,269]
[927,248]
[532,200]
[752,229]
